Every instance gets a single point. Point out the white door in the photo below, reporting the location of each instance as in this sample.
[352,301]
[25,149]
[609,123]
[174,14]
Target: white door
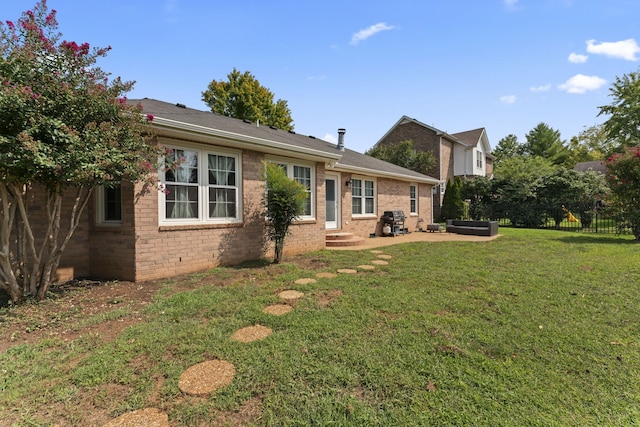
[332,202]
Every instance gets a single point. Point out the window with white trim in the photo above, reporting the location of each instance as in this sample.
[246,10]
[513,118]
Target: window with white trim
[305,175]
[413,198]
[363,197]
[479,159]
[204,187]
[109,204]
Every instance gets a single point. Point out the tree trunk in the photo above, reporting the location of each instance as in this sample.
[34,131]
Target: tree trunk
[31,267]
[8,211]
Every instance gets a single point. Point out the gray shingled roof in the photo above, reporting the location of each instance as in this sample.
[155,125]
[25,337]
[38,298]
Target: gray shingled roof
[350,161]
[469,137]
[596,166]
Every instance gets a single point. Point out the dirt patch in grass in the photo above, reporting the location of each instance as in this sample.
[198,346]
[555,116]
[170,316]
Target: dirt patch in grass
[67,312]
[102,310]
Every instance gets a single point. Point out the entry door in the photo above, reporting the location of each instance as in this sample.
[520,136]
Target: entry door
[332,202]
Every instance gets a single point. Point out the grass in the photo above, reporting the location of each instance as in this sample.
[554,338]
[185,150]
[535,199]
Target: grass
[533,328]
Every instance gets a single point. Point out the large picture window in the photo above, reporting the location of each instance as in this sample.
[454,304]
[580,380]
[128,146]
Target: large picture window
[204,187]
[363,196]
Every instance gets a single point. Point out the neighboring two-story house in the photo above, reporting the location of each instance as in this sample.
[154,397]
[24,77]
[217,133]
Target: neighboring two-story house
[464,154]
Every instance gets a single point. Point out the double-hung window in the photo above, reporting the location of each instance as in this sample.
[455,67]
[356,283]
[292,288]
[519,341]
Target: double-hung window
[479,159]
[304,174]
[200,187]
[413,198]
[363,197]
[109,204]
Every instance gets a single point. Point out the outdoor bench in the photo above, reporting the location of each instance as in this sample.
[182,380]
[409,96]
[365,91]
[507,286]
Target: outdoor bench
[476,228]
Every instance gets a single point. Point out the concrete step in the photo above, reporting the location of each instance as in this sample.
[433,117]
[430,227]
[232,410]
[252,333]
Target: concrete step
[343,239]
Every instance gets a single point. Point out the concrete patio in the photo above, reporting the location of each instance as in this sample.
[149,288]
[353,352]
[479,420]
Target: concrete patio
[417,236]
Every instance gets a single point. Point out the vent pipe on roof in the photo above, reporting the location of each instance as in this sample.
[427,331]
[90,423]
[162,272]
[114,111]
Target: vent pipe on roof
[341,133]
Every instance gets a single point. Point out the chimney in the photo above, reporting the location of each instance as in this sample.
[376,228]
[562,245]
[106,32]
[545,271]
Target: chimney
[341,133]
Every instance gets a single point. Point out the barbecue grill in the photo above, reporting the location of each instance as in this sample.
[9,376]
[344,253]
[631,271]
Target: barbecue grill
[395,221]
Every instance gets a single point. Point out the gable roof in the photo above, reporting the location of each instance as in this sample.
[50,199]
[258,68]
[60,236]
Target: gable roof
[406,119]
[474,137]
[176,120]
[470,137]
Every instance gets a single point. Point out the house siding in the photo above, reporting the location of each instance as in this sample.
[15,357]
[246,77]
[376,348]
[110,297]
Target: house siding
[112,247]
[390,195]
[423,140]
[162,251]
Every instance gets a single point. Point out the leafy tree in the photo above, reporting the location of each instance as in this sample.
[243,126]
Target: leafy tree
[545,142]
[478,191]
[404,154]
[592,143]
[243,97]
[569,189]
[624,180]
[452,203]
[64,129]
[515,188]
[284,202]
[507,147]
[623,124]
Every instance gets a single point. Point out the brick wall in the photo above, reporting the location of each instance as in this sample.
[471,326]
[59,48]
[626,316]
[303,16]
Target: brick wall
[423,138]
[164,251]
[391,195]
[74,261]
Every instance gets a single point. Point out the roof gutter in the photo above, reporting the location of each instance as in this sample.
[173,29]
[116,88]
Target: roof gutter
[243,141]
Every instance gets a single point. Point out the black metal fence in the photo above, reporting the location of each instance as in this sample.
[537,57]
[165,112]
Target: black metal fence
[592,219]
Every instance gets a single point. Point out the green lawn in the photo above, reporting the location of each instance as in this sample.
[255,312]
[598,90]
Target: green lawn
[533,328]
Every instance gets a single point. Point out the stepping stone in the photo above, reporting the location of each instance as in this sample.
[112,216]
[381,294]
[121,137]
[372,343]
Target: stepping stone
[379,262]
[206,377]
[366,267]
[148,417]
[325,275]
[384,256]
[377,251]
[347,271]
[305,281]
[251,333]
[278,309]
[290,295]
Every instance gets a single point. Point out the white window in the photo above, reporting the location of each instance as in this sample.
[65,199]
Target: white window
[305,175]
[479,159]
[413,198]
[204,187]
[363,197]
[109,204]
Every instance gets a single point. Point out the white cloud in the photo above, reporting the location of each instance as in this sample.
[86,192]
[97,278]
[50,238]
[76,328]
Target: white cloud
[543,88]
[508,99]
[577,58]
[510,3]
[330,138]
[368,32]
[624,49]
[581,84]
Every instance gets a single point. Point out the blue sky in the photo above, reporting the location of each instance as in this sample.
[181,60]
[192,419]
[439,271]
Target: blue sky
[457,65]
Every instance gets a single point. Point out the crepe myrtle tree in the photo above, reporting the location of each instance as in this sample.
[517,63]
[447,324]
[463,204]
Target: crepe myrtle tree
[284,202]
[65,128]
[623,175]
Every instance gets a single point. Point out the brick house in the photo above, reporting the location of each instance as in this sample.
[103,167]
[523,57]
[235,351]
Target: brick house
[464,154]
[209,211]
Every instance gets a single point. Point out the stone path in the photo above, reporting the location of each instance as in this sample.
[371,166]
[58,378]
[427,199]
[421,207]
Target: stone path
[207,377]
